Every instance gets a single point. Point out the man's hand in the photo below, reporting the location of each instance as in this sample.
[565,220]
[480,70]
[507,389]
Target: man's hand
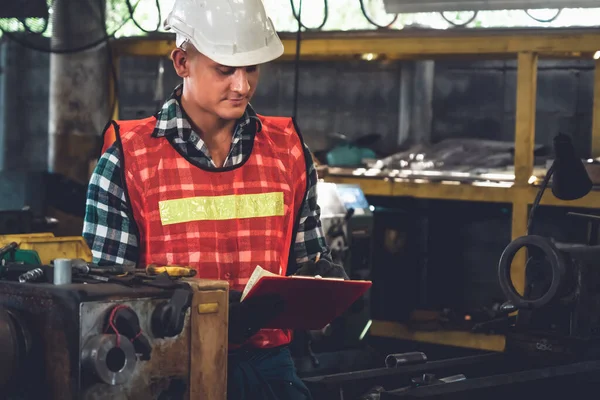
[248,317]
[322,267]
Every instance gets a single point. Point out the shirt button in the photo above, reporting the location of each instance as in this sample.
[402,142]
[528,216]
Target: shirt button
[227,275]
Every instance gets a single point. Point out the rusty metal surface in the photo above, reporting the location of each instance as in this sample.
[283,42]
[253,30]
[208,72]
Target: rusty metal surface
[169,358]
[52,315]
[8,348]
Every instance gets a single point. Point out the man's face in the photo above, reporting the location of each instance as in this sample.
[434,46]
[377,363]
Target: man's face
[217,89]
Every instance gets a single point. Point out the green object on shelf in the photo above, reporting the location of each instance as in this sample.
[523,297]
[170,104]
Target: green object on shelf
[23,256]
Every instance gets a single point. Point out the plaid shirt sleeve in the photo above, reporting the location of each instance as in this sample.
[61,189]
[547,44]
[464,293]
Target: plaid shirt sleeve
[108,227]
[310,240]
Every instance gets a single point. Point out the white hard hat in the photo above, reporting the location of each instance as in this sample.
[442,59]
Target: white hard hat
[234,33]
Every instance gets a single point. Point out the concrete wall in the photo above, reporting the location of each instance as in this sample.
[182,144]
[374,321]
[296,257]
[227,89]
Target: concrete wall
[470,99]
[24,90]
[478,99]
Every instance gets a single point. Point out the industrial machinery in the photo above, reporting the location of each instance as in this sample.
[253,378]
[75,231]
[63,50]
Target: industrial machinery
[74,330]
[347,221]
[552,345]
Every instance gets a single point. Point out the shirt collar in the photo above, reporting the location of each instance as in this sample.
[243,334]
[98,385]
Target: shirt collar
[172,120]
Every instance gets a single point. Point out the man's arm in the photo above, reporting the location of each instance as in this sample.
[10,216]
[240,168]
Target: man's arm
[310,240]
[108,228]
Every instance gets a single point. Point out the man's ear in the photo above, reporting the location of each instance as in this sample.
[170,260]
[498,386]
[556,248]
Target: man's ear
[180,62]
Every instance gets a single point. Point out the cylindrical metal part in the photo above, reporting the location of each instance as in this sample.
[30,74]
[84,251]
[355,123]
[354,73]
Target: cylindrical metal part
[112,360]
[79,86]
[453,378]
[400,359]
[63,271]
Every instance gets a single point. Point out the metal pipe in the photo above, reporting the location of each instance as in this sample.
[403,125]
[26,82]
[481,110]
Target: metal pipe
[397,360]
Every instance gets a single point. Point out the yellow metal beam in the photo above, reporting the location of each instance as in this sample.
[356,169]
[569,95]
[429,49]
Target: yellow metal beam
[466,192]
[422,43]
[596,112]
[442,337]
[525,117]
[372,187]
[113,92]
[520,214]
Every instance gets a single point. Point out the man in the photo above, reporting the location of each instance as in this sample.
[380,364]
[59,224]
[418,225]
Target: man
[210,184]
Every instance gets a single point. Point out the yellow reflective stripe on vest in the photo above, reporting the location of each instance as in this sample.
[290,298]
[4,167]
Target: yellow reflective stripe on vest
[210,208]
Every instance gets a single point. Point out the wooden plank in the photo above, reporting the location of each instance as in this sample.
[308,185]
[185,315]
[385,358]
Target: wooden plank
[466,339]
[520,214]
[208,358]
[113,97]
[371,186]
[421,43]
[442,191]
[596,112]
[525,117]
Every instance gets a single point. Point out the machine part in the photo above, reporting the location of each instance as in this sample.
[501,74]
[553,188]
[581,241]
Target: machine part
[15,343]
[102,391]
[83,267]
[396,360]
[551,253]
[8,249]
[168,317]
[8,348]
[373,394]
[123,320]
[63,271]
[453,378]
[110,357]
[175,391]
[31,276]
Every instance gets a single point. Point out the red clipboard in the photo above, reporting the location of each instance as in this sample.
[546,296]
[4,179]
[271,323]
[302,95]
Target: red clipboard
[309,303]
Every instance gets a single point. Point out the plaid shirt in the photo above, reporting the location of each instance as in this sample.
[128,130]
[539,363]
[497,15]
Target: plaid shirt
[109,228]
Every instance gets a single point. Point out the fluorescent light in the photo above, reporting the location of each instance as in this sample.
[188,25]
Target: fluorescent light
[417,6]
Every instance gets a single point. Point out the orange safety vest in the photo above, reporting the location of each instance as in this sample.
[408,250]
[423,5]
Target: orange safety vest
[223,223]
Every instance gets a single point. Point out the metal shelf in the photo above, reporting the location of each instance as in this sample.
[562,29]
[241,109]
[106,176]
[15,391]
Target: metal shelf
[458,191]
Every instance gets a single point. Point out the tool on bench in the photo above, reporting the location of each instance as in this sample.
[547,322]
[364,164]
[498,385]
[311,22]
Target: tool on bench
[171,270]
[86,268]
[9,248]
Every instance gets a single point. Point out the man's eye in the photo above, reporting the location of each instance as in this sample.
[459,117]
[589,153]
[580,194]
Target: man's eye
[226,71]
[251,69]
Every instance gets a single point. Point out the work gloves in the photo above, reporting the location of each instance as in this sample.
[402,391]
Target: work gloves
[248,317]
[322,267]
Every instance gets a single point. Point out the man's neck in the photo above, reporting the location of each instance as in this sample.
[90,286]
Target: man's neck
[214,131]
[203,123]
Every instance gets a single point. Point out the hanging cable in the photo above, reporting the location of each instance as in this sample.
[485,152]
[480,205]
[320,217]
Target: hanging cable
[364,12]
[297,16]
[545,21]
[297,62]
[45,22]
[457,24]
[29,45]
[131,10]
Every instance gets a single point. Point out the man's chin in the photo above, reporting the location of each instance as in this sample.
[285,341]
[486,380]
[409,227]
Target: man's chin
[232,114]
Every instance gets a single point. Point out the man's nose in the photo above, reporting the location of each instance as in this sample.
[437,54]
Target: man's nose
[240,82]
